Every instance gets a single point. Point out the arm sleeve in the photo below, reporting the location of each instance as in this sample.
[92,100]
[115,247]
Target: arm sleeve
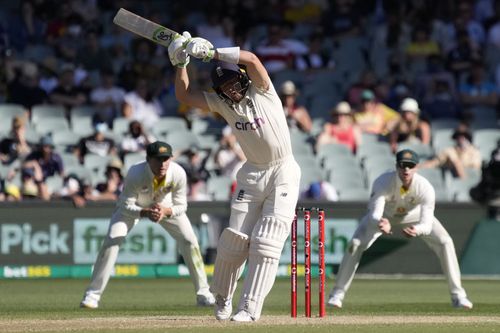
[128,197]
[179,193]
[424,227]
[376,204]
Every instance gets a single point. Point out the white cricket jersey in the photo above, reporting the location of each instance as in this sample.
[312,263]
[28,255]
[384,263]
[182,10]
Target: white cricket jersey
[138,191]
[413,206]
[259,124]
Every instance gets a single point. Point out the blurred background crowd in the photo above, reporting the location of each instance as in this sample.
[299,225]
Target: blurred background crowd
[359,79]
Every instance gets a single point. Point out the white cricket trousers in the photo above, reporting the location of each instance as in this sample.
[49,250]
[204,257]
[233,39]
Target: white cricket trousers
[438,240]
[178,227]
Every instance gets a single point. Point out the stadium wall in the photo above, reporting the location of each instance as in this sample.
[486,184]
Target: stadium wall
[58,240]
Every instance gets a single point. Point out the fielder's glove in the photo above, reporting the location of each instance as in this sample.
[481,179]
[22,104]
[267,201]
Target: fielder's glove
[200,48]
[177,50]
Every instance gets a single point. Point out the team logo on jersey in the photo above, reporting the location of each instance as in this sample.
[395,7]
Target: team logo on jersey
[249,125]
[401,211]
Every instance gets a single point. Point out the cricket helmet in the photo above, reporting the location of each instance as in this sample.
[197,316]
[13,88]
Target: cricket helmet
[223,72]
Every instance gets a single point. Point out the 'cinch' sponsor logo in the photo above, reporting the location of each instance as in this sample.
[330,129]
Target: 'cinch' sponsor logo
[249,125]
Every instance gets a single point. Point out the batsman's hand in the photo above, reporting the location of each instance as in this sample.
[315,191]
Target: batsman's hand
[200,48]
[177,51]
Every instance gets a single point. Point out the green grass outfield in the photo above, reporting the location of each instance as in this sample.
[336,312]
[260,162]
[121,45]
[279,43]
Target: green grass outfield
[167,305]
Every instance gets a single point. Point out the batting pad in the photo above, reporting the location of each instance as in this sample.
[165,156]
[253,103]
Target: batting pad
[266,244]
[232,252]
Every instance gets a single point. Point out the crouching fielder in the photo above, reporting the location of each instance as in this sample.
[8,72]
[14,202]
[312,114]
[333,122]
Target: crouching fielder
[405,200]
[267,189]
[155,189]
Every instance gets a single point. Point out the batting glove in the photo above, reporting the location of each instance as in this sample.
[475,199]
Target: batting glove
[177,52]
[200,48]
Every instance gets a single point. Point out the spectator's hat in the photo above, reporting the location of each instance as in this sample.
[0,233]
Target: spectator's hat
[288,88]
[407,156]
[30,70]
[462,132]
[409,105]
[159,149]
[342,108]
[47,141]
[367,95]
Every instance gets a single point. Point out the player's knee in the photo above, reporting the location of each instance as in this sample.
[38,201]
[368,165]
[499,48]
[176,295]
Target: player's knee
[233,245]
[268,237]
[355,246]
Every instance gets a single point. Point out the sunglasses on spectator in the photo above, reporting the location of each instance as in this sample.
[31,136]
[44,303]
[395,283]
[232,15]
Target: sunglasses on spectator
[404,165]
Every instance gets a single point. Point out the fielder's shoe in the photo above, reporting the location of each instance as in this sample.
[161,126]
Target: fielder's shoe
[223,308]
[89,302]
[335,301]
[205,299]
[461,303]
[243,316]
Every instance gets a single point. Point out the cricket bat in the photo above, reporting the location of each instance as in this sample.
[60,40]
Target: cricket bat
[145,28]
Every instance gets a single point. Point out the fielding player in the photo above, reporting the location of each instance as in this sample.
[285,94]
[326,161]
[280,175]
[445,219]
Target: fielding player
[267,189]
[155,189]
[405,200]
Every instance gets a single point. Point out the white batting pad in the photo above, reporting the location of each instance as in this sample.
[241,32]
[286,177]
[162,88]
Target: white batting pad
[266,244]
[232,252]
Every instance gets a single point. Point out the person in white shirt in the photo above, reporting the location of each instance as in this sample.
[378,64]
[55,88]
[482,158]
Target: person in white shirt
[401,200]
[267,189]
[153,189]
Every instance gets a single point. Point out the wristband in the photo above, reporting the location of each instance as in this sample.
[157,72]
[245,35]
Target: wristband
[229,54]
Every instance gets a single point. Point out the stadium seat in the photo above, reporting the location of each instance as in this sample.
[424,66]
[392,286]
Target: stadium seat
[486,141]
[10,110]
[46,110]
[50,125]
[354,194]
[167,125]
[133,158]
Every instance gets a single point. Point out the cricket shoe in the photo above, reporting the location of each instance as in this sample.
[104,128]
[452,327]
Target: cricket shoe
[205,299]
[89,302]
[335,301]
[243,317]
[461,303]
[223,308]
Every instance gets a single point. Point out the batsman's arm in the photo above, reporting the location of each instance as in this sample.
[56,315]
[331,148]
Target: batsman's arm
[255,69]
[186,94]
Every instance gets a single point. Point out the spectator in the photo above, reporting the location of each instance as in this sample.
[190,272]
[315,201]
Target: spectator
[488,189]
[274,52]
[15,146]
[193,162]
[421,46]
[441,103]
[47,159]
[109,190]
[341,129]
[32,181]
[297,115]
[24,88]
[97,143]
[375,117]
[136,139]
[141,104]
[410,128]
[91,56]
[320,191]
[478,90]
[457,159]
[316,57]
[461,57]
[367,81]
[67,93]
[107,97]
[229,156]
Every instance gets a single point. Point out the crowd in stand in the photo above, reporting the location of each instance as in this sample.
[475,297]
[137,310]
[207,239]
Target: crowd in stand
[349,72]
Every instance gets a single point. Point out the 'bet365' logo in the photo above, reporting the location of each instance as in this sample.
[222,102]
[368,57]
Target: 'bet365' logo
[162,35]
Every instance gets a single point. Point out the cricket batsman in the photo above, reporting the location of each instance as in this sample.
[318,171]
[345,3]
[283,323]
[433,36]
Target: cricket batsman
[263,206]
